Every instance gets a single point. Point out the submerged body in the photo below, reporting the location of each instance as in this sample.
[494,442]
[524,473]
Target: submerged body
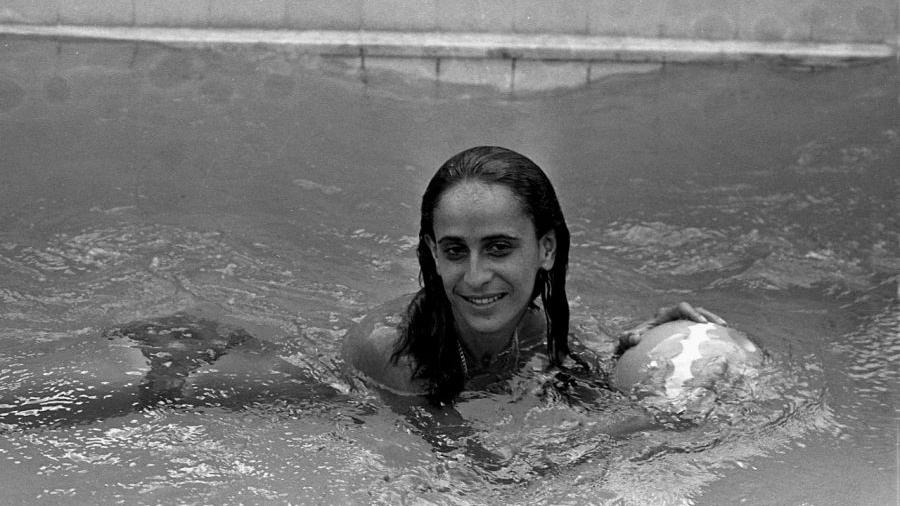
[176,360]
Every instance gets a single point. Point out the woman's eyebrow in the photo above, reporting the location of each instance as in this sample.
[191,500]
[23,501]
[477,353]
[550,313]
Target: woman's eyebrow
[503,237]
[493,237]
[450,239]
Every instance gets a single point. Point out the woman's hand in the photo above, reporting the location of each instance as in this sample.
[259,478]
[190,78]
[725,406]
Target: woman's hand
[681,311]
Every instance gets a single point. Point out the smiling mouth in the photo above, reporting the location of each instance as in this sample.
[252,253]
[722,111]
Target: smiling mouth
[483,301]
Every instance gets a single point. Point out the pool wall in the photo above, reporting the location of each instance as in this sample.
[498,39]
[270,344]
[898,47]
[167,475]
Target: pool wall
[870,21]
[513,45]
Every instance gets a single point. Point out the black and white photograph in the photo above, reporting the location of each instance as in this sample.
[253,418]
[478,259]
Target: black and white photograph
[450,252]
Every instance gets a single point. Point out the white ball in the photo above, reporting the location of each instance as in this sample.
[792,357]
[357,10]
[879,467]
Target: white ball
[675,359]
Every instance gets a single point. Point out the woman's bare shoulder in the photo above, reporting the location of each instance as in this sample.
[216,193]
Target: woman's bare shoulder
[533,328]
[369,345]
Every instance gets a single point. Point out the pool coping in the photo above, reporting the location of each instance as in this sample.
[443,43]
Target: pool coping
[554,47]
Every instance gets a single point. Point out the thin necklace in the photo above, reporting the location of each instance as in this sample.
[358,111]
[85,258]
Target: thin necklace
[513,347]
[462,359]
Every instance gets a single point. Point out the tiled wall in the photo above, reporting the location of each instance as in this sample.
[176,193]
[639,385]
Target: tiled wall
[750,20]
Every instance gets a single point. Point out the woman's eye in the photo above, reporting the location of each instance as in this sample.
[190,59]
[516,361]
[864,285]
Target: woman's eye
[454,252]
[499,249]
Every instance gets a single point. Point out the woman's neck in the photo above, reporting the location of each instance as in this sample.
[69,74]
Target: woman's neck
[489,361]
[484,348]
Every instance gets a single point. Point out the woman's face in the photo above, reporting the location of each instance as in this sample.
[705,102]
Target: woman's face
[487,255]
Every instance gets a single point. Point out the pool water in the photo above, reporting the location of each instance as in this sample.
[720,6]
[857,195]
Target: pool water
[278,193]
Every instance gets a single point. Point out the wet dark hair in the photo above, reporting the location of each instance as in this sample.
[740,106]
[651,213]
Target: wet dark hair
[429,335]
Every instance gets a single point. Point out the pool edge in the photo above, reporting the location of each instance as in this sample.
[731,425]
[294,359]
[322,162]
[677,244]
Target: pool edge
[509,63]
[472,45]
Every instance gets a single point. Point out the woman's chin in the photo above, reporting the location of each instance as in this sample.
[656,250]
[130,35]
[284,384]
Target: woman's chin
[498,318]
[484,327]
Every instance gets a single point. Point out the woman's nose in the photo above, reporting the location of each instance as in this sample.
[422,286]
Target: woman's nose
[477,273]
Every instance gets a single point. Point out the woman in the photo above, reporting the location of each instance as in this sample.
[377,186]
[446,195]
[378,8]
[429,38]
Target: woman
[492,239]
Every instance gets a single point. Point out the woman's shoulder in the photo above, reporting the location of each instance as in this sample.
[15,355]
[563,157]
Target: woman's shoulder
[370,344]
[533,327]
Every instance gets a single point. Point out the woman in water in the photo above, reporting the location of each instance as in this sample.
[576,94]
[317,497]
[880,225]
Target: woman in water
[492,240]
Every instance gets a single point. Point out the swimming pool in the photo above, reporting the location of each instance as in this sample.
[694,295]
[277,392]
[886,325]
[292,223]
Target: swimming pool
[255,189]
